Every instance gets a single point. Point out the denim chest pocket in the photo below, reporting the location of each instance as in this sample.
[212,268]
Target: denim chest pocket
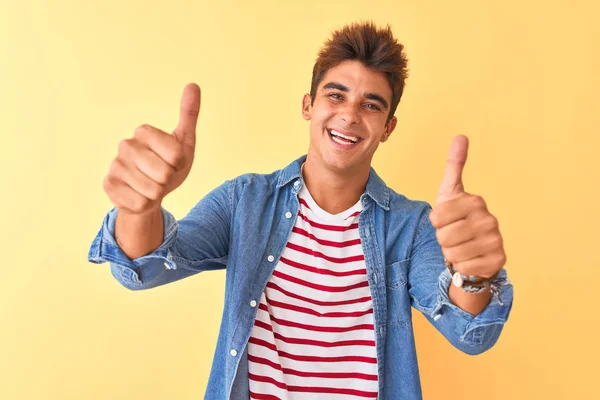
[398,299]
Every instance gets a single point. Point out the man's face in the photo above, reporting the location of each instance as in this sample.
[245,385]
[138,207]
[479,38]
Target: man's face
[348,117]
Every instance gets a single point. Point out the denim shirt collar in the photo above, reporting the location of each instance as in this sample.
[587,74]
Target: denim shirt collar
[376,187]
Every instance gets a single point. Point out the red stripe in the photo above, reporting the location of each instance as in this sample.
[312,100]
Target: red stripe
[311,389]
[304,203]
[264,361]
[337,260]
[274,286]
[335,228]
[261,396]
[323,288]
[329,329]
[309,342]
[324,242]
[310,311]
[354,214]
[285,354]
[329,375]
[322,271]
[260,378]
[317,389]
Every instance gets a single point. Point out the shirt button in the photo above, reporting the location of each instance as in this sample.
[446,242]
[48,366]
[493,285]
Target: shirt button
[288,215]
[297,183]
[270,258]
[253,303]
[233,352]
[167,266]
[437,316]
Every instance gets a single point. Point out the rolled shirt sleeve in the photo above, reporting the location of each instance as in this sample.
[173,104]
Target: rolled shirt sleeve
[198,242]
[429,282]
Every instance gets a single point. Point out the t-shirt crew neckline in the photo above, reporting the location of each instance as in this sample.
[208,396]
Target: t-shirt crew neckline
[322,214]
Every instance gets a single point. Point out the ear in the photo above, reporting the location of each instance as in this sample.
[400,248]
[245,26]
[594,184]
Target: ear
[306,107]
[389,128]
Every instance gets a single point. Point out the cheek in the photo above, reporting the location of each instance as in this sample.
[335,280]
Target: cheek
[322,112]
[377,131]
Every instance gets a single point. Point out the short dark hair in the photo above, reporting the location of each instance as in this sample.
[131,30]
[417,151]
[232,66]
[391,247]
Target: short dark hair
[375,47]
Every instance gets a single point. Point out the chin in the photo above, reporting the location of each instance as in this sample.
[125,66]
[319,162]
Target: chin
[338,163]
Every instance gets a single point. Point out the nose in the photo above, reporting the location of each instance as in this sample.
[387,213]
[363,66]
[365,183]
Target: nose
[350,113]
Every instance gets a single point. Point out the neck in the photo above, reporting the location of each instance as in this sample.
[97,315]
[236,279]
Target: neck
[334,191]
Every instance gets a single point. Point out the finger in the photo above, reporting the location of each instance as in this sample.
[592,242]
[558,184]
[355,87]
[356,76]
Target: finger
[123,196]
[452,183]
[188,115]
[484,266]
[151,165]
[461,207]
[473,248]
[455,233]
[137,180]
[160,142]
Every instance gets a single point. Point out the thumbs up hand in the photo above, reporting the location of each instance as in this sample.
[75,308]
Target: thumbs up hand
[153,163]
[467,232]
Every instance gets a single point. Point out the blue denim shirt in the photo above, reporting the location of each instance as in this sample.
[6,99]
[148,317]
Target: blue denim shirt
[243,226]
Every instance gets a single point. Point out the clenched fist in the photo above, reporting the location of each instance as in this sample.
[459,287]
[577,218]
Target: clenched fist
[153,163]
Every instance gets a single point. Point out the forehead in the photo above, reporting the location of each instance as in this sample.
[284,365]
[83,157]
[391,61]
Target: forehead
[358,78]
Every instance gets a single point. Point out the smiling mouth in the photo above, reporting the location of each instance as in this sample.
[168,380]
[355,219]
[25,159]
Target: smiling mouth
[342,139]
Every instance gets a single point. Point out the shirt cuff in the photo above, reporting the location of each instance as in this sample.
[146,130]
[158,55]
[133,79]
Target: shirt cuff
[473,327]
[104,247]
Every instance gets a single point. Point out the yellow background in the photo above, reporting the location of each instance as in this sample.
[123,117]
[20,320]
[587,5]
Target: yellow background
[520,78]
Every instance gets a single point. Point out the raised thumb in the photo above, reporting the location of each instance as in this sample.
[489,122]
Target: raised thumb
[188,115]
[452,184]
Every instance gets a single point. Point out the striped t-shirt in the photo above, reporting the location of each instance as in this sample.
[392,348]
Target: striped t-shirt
[313,337]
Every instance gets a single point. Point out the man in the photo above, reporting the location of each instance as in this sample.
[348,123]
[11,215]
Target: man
[323,261]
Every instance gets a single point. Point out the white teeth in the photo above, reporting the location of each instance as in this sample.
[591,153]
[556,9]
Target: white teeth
[352,138]
[340,141]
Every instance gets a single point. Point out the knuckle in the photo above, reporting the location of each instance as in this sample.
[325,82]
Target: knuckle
[115,167]
[165,175]
[125,147]
[491,223]
[106,184]
[110,181]
[156,191]
[142,130]
[111,189]
[139,204]
[497,242]
[478,202]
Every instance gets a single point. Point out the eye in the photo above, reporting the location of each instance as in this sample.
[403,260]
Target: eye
[373,106]
[336,96]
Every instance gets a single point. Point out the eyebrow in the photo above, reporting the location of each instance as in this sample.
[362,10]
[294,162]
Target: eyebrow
[371,96]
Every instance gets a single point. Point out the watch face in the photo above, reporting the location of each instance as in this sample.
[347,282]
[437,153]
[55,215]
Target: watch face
[457,279]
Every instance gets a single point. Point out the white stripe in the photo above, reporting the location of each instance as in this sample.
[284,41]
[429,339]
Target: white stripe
[321,295]
[292,332]
[318,278]
[310,350]
[278,296]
